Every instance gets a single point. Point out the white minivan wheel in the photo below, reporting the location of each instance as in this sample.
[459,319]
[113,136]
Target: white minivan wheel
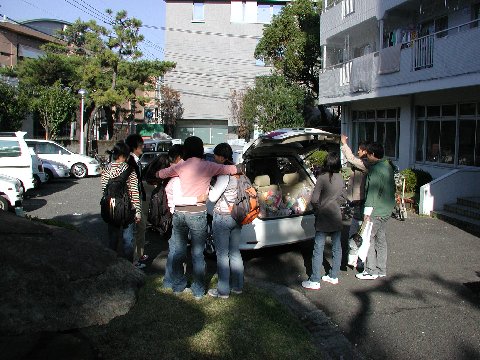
[3,204]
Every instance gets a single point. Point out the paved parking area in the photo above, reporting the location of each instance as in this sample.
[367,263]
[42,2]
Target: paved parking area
[426,308]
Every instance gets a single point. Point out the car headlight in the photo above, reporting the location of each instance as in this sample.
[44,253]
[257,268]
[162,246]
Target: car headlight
[59,167]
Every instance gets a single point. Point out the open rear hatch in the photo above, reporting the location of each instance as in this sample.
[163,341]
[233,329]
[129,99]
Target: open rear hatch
[274,163]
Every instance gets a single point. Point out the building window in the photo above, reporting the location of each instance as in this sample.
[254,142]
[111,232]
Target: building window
[265,12]
[381,125]
[243,12]
[198,12]
[448,134]
[348,7]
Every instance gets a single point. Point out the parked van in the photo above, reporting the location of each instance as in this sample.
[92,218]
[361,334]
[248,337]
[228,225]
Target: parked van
[15,158]
[275,164]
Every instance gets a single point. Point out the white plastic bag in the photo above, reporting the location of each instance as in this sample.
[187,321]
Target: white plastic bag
[366,233]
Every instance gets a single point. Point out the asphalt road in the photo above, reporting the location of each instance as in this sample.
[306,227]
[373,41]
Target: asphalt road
[426,308]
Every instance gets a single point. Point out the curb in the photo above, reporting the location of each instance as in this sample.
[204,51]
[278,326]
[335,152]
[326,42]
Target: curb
[326,335]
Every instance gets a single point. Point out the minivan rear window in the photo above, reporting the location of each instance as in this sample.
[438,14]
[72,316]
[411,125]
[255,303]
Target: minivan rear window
[10,148]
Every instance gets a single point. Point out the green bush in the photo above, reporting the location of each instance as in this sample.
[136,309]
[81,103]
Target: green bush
[415,178]
[317,158]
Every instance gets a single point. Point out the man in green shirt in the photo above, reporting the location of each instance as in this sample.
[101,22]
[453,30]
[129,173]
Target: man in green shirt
[379,203]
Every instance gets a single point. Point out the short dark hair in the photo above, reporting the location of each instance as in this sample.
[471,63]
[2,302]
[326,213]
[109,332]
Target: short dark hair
[225,150]
[362,145]
[376,150]
[193,147]
[332,164]
[119,149]
[174,152]
[134,141]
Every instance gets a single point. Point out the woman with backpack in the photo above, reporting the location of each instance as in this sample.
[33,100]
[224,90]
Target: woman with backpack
[328,194]
[226,231]
[118,173]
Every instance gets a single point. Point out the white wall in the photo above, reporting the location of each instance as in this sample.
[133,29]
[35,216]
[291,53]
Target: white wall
[447,188]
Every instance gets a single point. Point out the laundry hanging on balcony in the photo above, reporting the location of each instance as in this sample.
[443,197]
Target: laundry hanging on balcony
[361,74]
[389,59]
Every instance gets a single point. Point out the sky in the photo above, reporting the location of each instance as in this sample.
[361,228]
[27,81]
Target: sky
[150,12]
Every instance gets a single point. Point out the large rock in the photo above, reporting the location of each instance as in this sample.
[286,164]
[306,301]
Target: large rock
[54,279]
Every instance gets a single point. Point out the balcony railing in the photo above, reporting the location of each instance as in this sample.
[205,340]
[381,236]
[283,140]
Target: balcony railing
[427,58]
[423,46]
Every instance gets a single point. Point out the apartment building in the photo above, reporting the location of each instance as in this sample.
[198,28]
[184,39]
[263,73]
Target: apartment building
[407,74]
[213,43]
[19,41]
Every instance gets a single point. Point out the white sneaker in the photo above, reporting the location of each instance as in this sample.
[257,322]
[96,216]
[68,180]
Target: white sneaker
[330,280]
[214,293]
[366,276]
[312,285]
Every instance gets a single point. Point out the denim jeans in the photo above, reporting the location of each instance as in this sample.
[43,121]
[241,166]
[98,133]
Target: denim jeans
[140,229]
[376,263]
[317,258]
[196,225]
[167,280]
[226,235]
[127,235]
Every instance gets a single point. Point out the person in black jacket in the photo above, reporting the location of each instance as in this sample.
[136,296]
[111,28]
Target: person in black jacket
[135,143]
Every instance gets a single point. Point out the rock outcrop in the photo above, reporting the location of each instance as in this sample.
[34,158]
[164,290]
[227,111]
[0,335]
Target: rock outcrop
[54,279]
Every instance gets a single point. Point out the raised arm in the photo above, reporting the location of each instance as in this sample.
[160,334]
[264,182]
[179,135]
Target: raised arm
[352,159]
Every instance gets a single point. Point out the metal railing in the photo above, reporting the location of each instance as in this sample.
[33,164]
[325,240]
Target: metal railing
[422,47]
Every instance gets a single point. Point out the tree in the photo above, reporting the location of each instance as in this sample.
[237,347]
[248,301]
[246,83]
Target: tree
[105,62]
[56,106]
[273,103]
[171,108]
[12,107]
[236,108]
[291,43]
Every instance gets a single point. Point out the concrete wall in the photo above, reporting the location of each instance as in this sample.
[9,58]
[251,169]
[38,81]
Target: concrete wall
[447,188]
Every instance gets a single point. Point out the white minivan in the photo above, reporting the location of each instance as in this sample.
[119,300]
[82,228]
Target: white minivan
[15,158]
[275,164]
[79,165]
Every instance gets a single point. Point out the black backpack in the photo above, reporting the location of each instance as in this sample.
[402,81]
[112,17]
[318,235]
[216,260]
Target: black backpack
[159,215]
[115,205]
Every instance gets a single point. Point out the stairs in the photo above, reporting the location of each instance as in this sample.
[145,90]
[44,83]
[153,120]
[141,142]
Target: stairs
[465,214]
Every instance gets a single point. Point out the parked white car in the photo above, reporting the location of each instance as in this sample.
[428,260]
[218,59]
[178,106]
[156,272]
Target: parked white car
[11,192]
[79,165]
[15,158]
[275,165]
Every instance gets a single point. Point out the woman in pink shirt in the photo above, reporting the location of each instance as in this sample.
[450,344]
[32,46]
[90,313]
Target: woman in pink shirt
[195,174]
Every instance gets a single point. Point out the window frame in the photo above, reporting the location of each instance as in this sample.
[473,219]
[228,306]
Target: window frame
[458,118]
[377,117]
